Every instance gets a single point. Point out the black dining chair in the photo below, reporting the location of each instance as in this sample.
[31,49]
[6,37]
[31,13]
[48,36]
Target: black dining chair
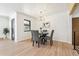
[50,37]
[35,37]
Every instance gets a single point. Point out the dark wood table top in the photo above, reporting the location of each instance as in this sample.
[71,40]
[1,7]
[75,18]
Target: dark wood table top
[43,34]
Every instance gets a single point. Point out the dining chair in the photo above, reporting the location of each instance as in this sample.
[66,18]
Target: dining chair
[50,37]
[35,37]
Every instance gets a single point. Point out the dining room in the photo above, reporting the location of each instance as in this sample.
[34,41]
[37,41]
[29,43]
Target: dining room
[39,29]
[46,18]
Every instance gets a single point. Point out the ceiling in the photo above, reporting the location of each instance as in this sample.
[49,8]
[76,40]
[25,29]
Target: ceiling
[75,13]
[33,9]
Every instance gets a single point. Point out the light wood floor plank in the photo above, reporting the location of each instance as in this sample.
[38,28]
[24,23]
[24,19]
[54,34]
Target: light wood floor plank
[25,48]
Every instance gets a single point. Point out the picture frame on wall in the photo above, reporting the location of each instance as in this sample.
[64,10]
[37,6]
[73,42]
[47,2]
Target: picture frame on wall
[27,25]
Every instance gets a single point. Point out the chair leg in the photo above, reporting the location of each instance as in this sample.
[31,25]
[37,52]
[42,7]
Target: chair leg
[33,43]
[36,42]
[38,45]
[41,41]
[51,42]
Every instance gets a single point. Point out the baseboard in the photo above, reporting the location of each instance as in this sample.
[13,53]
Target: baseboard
[23,39]
[63,41]
[1,38]
[53,39]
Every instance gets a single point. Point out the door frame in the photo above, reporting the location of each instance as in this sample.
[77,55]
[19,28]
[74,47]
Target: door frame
[12,28]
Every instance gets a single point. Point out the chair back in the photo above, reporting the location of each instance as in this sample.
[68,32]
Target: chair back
[51,34]
[35,35]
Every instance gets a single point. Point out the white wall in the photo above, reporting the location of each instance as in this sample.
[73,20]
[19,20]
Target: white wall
[21,35]
[4,23]
[61,23]
[19,25]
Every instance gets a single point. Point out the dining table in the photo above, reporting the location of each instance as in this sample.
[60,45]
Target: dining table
[43,37]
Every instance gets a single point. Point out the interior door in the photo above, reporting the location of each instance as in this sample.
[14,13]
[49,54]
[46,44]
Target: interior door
[75,29]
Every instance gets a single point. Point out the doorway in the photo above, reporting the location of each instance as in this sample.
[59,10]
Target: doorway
[75,33]
[13,29]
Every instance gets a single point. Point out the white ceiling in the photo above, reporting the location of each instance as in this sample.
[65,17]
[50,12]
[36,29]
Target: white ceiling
[76,11]
[7,9]
[33,9]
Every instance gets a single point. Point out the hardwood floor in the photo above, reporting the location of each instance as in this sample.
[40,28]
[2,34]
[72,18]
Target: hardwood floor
[25,48]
